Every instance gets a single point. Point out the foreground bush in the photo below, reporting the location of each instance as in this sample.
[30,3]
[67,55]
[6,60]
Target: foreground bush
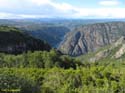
[92,79]
[38,59]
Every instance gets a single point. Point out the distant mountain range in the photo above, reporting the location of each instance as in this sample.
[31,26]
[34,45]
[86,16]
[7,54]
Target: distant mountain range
[51,30]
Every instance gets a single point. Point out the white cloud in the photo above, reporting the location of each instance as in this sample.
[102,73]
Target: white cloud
[49,8]
[59,6]
[109,2]
[41,2]
[102,12]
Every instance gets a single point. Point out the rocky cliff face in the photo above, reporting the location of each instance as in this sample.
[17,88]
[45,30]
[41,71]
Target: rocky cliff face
[114,51]
[89,38]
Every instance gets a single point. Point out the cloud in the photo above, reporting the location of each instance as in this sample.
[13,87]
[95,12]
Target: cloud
[59,6]
[109,2]
[41,2]
[52,9]
[100,13]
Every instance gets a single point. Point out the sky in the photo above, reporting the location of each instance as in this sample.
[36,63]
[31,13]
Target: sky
[12,9]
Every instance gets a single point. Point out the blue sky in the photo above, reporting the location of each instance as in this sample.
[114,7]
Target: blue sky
[93,3]
[62,9]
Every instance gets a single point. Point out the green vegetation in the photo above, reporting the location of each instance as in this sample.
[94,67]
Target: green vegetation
[41,70]
[13,41]
[37,59]
[52,34]
[50,72]
[8,29]
[90,78]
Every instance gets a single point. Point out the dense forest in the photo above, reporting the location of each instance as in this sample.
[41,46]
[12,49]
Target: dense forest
[48,72]
[52,72]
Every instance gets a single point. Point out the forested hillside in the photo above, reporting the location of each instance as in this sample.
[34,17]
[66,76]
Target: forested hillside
[52,33]
[14,41]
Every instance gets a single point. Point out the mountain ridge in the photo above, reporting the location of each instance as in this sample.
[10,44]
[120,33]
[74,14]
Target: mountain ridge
[89,38]
[114,51]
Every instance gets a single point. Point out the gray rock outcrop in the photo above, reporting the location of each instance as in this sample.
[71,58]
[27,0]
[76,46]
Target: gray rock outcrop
[89,38]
